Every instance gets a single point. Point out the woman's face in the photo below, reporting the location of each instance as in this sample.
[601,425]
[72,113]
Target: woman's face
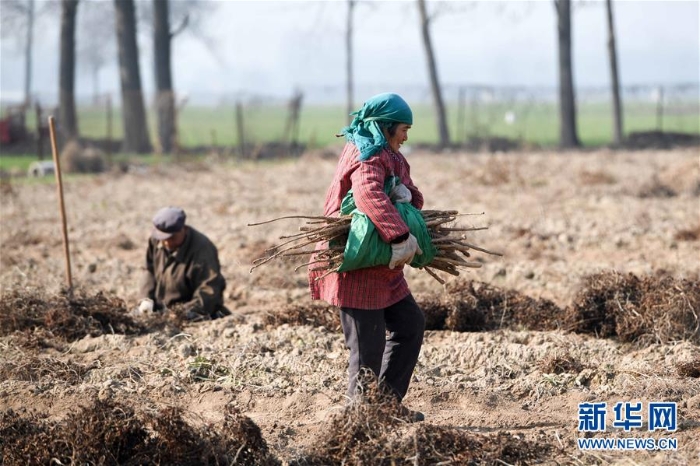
[399,137]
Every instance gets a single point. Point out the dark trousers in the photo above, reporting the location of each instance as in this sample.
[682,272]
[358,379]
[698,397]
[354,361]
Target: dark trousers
[391,358]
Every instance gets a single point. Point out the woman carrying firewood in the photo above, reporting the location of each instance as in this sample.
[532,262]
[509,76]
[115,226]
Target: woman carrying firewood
[377,299]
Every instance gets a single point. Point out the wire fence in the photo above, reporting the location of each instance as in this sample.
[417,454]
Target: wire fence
[312,117]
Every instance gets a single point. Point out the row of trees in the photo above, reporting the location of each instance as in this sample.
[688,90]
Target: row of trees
[98,19]
[136,137]
[568,135]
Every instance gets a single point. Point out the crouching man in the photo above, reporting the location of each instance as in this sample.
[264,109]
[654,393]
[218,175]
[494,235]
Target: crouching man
[182,267]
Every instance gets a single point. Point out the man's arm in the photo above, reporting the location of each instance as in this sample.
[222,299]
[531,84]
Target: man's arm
[208,284]
[148,282]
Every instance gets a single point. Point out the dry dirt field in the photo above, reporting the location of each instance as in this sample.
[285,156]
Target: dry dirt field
[558,218]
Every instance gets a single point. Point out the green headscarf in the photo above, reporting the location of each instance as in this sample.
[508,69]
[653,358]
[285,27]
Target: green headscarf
[365,130]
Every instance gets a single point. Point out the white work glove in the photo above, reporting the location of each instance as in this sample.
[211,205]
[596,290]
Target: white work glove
[400,193]
[145,306]
[402,253]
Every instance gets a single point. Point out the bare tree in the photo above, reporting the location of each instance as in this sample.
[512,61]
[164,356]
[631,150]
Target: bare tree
[95,40]
[160,15]
[615,82]
[349,59]
[568,136]
[443,132]
[18,20]
[165,100]
[28,53]
[67,119]
[136,137]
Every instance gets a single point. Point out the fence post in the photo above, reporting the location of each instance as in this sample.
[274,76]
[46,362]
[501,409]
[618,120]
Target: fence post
[461,125]
[240,129]
[109,129]
[39,132]
[659,108]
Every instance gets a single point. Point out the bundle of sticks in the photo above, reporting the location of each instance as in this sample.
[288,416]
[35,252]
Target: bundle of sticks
[453,251]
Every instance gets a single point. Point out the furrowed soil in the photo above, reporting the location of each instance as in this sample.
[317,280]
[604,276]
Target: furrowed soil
[568,223]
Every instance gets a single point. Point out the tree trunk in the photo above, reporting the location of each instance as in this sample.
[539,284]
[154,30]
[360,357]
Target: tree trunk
[443,133]
[349,57]
[612,56]
[136,139]
[95,71]
[28,54]
[67,119]
[568,136]
[165,98]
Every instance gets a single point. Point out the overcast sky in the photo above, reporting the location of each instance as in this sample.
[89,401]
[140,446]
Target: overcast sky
[272,47]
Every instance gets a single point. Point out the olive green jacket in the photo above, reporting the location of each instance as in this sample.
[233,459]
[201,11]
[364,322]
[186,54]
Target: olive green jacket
[191,275]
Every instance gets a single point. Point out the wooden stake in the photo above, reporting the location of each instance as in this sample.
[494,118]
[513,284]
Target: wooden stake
[59,184]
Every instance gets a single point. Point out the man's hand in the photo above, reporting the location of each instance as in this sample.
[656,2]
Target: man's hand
[400,194]
[145,305]
[402,253]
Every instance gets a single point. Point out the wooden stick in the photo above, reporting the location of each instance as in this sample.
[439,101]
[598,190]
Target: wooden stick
[438,221]
[477,248]
[306,264]
[463,229]
[325,274]
[434,275]
[425,213]
[61,203]
[444,267]
[459,263]
[329,219]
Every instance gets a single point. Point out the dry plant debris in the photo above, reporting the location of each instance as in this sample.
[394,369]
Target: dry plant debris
[367,432]
[689,369]
[67,317]
[314,314]
[653,308]
[656,188]
[468,306]
[560,364]
[609,304]
[472,301]
[37,368]
[588,177]
[108,433]
[688,234]
[453,251]
[42,320]
[472,306]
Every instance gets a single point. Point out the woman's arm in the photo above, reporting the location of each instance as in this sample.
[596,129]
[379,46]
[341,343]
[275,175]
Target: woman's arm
[368,191]
[416,195]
